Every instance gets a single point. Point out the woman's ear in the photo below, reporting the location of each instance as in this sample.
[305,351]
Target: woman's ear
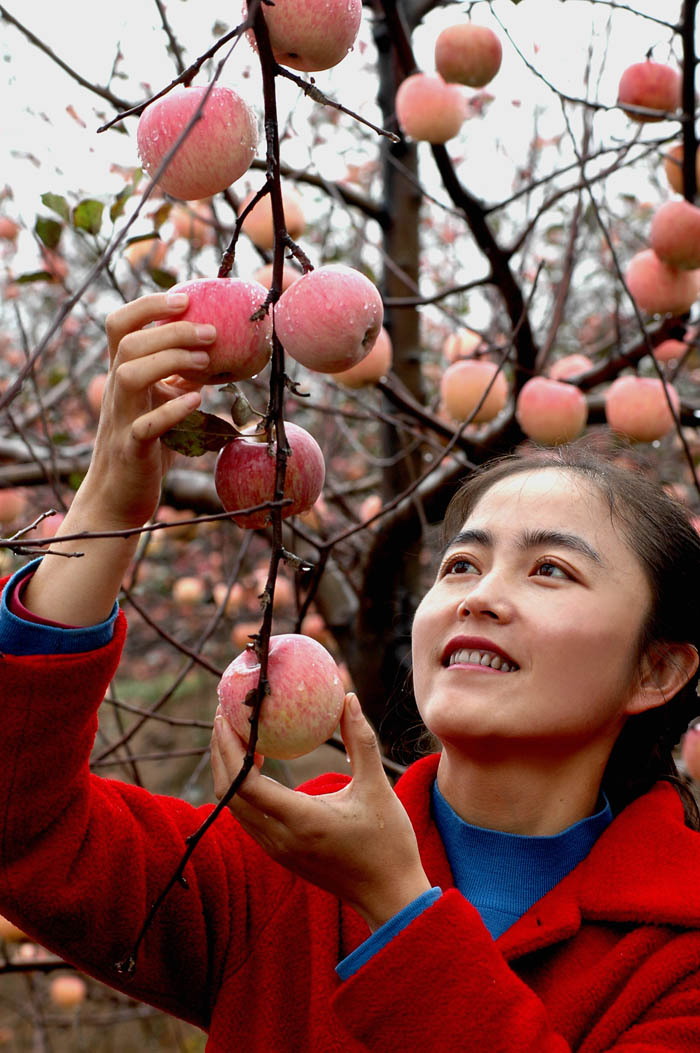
[665,668]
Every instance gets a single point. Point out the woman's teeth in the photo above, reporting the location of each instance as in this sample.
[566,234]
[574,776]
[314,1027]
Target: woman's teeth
[486,658]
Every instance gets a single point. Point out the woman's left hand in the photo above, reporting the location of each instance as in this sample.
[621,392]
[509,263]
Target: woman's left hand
[357,843]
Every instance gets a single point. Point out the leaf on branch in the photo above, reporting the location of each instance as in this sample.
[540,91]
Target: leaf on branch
[119,204]
[48,231]
[161,215]
[35,276]
[199,433]
[57,204]
[241,410]
[163,279]
[88,215]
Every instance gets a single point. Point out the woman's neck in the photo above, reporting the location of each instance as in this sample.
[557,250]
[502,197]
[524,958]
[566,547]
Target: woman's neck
[517,794]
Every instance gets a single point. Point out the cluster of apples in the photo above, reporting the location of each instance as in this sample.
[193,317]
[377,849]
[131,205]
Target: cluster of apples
[432,107]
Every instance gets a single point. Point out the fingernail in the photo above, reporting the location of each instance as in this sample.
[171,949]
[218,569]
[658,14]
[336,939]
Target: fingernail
[218,724]
[355,708]
[199,358]
[205,332]
[177,299]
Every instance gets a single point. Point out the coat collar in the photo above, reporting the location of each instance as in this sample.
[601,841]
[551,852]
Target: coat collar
[641,869]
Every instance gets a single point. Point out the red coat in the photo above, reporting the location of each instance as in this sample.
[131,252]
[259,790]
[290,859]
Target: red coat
[608,960]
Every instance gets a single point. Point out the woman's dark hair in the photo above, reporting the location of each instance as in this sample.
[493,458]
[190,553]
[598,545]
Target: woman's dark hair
[659,531]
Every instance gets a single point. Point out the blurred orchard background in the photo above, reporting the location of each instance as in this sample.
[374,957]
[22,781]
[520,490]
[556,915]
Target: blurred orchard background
[498,254]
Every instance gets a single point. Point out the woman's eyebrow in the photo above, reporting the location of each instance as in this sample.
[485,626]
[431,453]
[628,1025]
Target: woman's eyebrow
[530,539]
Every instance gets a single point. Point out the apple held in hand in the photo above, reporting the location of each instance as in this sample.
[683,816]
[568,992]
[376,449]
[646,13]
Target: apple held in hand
[550,411]
[241,348]
[305,701]
[245,475]
[310,35]
[330,318]
[218,149]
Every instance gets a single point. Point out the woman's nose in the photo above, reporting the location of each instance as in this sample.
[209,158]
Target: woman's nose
[488,598]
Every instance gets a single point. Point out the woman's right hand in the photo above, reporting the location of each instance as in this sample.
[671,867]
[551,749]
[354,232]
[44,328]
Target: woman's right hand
[143,398]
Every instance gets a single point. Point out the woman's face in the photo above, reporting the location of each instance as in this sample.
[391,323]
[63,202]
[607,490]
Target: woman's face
[531,629]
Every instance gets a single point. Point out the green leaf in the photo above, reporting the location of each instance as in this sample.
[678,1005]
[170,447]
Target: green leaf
[118,205]
[48,230]
[241,410]
[88,215]
[199,433]
[161,215]
[35,276]
[57,204]
[163,279]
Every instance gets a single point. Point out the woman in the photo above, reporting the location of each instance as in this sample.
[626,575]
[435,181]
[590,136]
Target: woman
[530,887]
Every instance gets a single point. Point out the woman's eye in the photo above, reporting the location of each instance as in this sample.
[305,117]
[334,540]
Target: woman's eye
[458,565]
[550,570]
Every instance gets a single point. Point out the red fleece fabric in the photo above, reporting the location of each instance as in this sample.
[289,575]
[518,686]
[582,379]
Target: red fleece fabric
[608,960]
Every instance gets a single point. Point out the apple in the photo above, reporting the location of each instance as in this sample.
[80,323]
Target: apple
[310,35]
[551,412]
[149,253]
[94,392]
[464,383]
[264,275]
[670,350]
[468,54]
[314,626]
[659,289]
[245,475]
[372,367]
[13,504]
[651,85]
[430,109]
[637,408]
[218,150]
[188,591]
[8,229]
[675,235]
[690,752]
[570,366]
[370,507]
[241,348]
[258,223]
[242,632]
[67,992]
[194,222]
[673,167]
[461,344]
[305,701]
[330,318]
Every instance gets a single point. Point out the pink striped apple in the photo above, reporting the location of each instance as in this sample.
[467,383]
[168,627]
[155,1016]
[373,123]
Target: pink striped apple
[636,407]
[551,412]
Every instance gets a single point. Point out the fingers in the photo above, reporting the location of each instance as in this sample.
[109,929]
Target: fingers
[152,425]
[360,742]
[143,342]
[141,312]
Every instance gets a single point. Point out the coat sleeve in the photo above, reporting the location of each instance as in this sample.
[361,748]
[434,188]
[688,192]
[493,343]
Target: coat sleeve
[82,858]
[442,984]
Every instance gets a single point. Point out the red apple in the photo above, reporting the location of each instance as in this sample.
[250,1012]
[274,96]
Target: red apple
[372,367]
[673,167]
[67,992]
[430,109]
[690,752]
[468,54]
[149,253]
[13,504]
[637,408]
[659,289]
[305,701]
[675,235]
[670,350]
[464,383]
[550,411]
[651,85]
[461,344]
[264,276]
[570,366]
[245,475]
[218,150]
[194,222]
[188,591]
[241,348]
[94,392]
[330,318]
[310,35]
[234,598]
[258,223]
[8,229]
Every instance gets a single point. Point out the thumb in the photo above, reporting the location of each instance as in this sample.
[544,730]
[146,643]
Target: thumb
[360,741]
